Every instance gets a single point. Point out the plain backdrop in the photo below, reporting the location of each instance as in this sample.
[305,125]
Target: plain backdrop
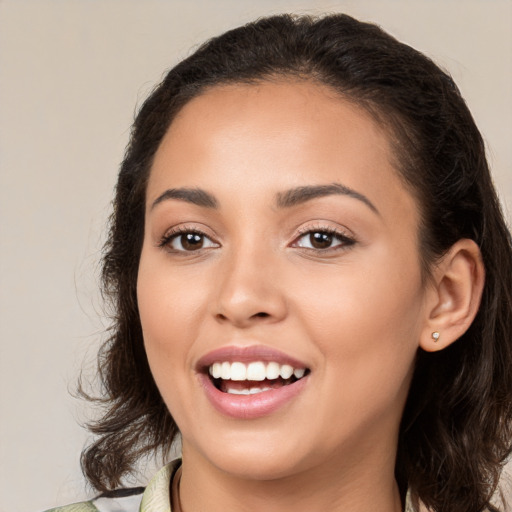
[71,75]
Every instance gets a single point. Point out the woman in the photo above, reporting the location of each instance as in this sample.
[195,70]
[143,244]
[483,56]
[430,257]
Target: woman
[312,284]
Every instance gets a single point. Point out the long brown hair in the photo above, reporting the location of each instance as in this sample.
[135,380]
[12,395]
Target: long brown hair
[456,430]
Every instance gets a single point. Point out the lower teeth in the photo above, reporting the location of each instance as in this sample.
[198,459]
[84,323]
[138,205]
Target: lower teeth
[252,391]
[226,387]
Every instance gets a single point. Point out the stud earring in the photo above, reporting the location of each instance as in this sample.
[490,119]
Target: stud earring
[435,336]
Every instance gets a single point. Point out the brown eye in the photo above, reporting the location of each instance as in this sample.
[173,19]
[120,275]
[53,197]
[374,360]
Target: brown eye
[320,240]
[187,241]
[191,241]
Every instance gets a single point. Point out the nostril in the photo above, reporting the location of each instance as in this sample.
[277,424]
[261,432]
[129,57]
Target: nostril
[241,319]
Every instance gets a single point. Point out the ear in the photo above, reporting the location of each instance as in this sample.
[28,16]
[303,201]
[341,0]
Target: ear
[454,296]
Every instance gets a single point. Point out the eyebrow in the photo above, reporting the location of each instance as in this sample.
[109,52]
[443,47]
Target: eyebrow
[301,195]
[288,199]
[195,196]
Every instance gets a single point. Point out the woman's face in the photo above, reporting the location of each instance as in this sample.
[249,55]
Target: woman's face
[278,239]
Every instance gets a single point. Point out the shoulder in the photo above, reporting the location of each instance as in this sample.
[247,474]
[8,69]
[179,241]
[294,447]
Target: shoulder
[154,497]
[125,500]
[84,506]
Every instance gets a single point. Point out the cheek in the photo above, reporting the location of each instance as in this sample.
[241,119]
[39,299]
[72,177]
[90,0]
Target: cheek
[168,307]
[366,323]
[168,329]
[368,354]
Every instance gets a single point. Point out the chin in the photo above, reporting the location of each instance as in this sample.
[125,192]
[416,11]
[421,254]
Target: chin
[260,466]
[257,456]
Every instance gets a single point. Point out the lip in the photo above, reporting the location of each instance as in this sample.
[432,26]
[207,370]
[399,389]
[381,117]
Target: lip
[249,406]
[233,354]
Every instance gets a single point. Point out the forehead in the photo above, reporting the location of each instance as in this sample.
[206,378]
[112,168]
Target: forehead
[284,112]
[253,138]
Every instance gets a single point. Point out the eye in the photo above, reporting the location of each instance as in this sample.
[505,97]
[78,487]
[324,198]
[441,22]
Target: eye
[323,239]
[187,241]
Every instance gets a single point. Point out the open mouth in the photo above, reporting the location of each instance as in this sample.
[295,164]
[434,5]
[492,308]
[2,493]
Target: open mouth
[256,377]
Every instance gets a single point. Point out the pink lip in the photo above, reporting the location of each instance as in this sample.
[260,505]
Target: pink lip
[249,406]
[232,354]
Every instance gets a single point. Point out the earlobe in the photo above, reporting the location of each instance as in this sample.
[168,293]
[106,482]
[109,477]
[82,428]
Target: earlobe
[454,296]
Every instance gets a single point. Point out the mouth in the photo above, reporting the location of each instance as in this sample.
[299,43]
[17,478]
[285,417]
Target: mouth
[251,382]
[239,378]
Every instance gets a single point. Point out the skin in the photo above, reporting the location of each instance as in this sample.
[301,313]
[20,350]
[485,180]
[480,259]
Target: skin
[355,313]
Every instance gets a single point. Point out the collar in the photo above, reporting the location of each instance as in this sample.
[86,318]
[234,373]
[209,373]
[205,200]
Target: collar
[157,496]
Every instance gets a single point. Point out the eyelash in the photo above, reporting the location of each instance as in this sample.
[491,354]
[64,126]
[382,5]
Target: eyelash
[169,237]
[345,240]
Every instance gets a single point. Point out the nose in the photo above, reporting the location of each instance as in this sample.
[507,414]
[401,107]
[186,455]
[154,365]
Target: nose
[250,290]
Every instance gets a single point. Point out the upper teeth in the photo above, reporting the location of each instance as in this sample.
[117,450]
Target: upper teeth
[257,370]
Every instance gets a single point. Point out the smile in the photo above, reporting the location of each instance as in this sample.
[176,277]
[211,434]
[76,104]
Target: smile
[238,378]
[249,383]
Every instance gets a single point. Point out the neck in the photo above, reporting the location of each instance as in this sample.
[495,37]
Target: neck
[334,487]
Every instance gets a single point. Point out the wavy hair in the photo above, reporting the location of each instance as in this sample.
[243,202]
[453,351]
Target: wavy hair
[456,430]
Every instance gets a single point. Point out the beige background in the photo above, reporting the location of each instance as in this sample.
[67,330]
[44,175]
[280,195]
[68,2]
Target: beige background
[71,73]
